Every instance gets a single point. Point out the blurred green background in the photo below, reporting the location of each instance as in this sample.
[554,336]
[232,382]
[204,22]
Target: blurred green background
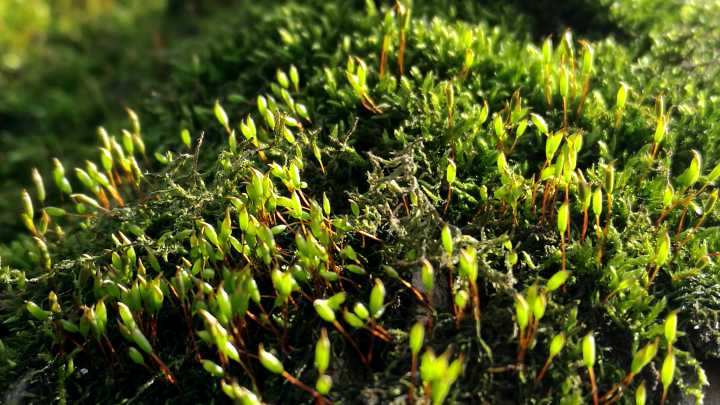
[68,66]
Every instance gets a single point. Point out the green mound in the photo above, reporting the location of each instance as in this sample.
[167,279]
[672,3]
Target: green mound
[357,204]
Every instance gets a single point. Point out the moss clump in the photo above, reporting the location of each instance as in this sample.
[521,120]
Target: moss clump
[524,207]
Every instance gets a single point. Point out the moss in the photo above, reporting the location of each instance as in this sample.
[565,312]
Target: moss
[226,245]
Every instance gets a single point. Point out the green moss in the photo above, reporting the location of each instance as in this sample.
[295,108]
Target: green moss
[249,243]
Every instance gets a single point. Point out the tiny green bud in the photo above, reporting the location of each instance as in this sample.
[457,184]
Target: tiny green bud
[668,194]
[557,280]
[127,141]
[214,369]
[552,144]
[429,369]
[101,316]
[597,202]
[352,319]
[262,105]
[670,327]
[427,274]
[324,310]
[322,352]
[141,340]
[136,356]
[326,204]
[447,241]
[641,394]
[691,175]
[417,335]
[538,306]
[499,126]
[185,137]
[377,298]
[609,178]
[27,204]
[563,217]
[556,344]
[469,58]
[295,78]
[134,120]
[714,174]
[361,311]
[539,123]
[223,301]
[643,356]
[269,361]
[61,181]
[354,268]
[227,348]
[221,115]
[324,384]
[522,127]
[585,193]
[106,159]
[484,113]
[248,128]
[662,251]
[588,349]
[39,184]
[37,312]
[282,79]
[468,264]
[55,211]
[668,371]
[621,97]
[126,315]
[461,299]
[522,311]
[210,233]
[336,300]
